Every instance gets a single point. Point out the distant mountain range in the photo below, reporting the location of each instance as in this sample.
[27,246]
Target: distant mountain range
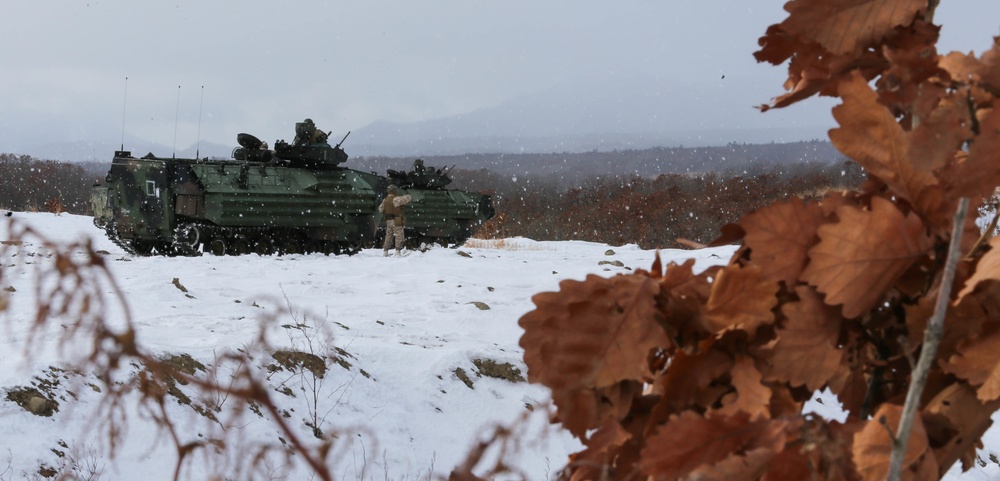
[633,114]
[87,151]
[625,115]
[439,145]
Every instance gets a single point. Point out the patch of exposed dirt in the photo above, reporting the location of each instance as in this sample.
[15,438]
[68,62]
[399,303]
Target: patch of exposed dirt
[462,376]
[47,472]
[181,363]
[491,368]
[296,361]
[46,391]
[32,400]
[185,363]
[341,358]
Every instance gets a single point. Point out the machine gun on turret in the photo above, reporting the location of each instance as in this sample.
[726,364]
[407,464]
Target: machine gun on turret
[310,148]
[421,177]
[342,140]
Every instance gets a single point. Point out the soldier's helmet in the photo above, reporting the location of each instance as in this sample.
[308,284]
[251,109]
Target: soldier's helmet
[393,189]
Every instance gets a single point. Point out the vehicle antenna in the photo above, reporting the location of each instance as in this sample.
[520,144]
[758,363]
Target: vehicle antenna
[197,150]
[124,104]
[177,112]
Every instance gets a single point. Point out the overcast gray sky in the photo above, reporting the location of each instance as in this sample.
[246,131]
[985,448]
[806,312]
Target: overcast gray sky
[259,66]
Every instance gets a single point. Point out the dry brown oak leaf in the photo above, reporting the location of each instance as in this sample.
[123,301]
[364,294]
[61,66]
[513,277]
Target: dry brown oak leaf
[934,145]
[779,236]
[580,409]
[988,268]
[978,362]
[825,39]
[984,72]
[859,258]
[977,174]
[873,447]
[846,27]
[741,299]
[602,449]
[814,70]
[690,446]
[805,352]
[965,319]
[912,58]
[593,333]
[870,135]
[685,383]
[952,419]
[750,396]
[821,452]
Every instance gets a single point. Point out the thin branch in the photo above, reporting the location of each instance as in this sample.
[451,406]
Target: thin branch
[932,337]
[988,233]
[931,7]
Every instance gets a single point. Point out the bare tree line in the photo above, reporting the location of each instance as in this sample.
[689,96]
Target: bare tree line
[30,184]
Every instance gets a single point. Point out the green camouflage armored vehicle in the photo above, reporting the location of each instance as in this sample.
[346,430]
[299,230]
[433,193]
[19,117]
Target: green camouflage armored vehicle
[437,215]
[293,199]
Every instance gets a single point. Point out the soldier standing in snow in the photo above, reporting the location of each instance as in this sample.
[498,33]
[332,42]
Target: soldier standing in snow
[392,210]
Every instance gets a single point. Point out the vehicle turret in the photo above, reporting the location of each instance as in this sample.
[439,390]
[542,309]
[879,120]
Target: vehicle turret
[251,149]
[421,177]
[310,149]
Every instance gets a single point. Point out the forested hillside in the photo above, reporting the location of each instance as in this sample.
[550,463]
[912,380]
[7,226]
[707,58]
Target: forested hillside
[574,168]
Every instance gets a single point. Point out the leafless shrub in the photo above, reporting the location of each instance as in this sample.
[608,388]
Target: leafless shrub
[71,304]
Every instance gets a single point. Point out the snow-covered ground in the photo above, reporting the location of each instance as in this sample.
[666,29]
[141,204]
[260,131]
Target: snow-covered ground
[403,326]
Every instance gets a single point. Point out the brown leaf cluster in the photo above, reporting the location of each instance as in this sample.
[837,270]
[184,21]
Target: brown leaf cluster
[673,374]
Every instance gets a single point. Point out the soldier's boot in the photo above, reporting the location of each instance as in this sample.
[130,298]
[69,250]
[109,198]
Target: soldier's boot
[385,253]
[399,253]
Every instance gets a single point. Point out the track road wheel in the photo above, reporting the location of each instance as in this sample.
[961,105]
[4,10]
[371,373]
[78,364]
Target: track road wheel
[188,236]
[291,247]
[263,247]
[164,249]
[217,247]
[239,247]
[330,247]
[142,247]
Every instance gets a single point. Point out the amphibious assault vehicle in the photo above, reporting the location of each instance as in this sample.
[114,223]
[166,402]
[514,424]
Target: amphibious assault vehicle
[438,215]
[296,198]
